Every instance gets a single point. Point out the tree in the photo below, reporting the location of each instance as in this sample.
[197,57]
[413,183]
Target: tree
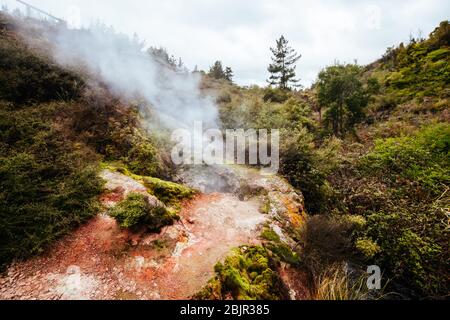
[284,64]
[229,74]
[343,95]
[216,71]
[162,56]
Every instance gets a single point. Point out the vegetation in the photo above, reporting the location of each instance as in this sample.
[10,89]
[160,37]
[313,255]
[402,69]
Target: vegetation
[48,181]
[54,130]
[138,210]
[168,192]
[373,169]
[343,95]
[219,73]
[247,274]
[283,66]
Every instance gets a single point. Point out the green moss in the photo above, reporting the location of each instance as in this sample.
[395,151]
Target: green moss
[168,192]
[247,274]
[285,253]
[136,211]
[270,235]
[266,207]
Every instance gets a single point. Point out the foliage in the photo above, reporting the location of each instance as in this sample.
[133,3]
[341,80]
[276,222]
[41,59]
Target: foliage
[168,192]
[28,78]
[283,65]
[343,95]
[336,285]
[422,158]
[48,185]
[275,95]
[137,211]
[247,274]
[218,72]
[421,68]
[367,247]
[229,74]
[401,188]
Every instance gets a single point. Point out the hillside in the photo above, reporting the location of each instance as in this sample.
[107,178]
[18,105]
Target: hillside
[87,186]
[389,173]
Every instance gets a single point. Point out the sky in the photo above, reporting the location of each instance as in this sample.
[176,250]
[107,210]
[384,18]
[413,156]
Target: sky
[240,33]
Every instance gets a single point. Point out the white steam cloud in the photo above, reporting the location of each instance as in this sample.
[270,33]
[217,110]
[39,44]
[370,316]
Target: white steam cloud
[130,71]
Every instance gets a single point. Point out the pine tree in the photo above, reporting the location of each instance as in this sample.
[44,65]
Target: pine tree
[217,71]
[284,64]
[229,74]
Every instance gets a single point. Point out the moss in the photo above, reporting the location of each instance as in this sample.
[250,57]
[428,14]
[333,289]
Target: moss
[266,207]
[270,235]
[284,253]
[247,274]
[168,192]
[136,211]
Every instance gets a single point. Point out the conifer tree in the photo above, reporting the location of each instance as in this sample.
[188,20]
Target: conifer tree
[282,69]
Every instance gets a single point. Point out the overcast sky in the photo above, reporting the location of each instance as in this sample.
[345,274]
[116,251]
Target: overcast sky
[240,32]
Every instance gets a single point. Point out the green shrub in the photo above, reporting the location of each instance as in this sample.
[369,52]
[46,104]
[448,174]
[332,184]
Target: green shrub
[305,168]
[26,77]
[48,186]
[276,95]
[414,247]
[142,160]
[367,247]
[137,211]
[422,157]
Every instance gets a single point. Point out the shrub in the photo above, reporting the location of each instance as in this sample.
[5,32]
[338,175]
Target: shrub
[26,77]
[137,211]
[276,95]
[142,160]
[48,185]
[304,167]
[422,157]
[367,247]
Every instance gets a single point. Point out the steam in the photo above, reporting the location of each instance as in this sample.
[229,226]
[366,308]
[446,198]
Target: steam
[132,72]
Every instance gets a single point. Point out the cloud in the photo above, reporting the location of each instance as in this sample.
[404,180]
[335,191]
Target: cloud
[240,32]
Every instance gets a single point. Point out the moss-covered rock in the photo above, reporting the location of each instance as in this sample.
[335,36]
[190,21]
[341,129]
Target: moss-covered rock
[139,210]
[168,192]
[247,274]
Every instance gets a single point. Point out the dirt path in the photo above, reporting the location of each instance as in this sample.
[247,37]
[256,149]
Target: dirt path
[101,261]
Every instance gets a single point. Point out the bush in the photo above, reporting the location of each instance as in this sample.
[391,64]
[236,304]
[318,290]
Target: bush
[367,247]
[137,211]
[26,78]
[422,158]
[276,95]
[48,186]
[306,168]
